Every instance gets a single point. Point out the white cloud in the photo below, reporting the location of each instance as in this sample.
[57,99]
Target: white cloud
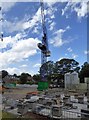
[44,0]
[52,17]
[7,6]
[57,40]
[13,70]
[35,30]
[82,10]
[18,71]
[28,22]
[66,8]
[37,65]
[86,52]
[11,41]
[74,56]
[66,54]
[50,1]
[52,26]
[80,7]
[23,66]
[69,49]
[14,26]
[20,50]
[36,18]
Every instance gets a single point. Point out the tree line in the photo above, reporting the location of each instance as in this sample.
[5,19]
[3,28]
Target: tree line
[55,71]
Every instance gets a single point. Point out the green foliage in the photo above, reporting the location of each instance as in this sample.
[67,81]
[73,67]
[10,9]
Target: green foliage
[84,71]
[4,73]
[36,78]
[7,115]
[24,78]
[30,82]
[66,65]
[56,71]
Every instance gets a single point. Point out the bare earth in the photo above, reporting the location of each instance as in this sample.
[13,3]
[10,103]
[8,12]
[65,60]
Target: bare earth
[19,92]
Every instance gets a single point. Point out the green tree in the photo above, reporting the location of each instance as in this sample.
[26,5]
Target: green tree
[84,72]
[36,78]
[4,73]
[56,71]
[24,78]
[15,75]
[63,66]
[66,65]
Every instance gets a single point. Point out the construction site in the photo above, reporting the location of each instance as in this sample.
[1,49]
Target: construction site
[45,100]
[28,102]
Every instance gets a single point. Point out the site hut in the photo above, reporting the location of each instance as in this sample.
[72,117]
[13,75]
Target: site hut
[71,80]
[67,81]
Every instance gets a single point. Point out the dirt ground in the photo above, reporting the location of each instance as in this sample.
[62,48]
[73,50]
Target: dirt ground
[18,93]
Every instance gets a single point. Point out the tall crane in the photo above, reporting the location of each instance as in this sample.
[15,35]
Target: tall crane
[44,50]
[1,20]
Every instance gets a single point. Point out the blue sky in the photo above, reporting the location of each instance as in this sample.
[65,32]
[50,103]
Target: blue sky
[66,24]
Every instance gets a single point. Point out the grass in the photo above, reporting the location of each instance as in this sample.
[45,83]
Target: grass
[0,114]
[7,115]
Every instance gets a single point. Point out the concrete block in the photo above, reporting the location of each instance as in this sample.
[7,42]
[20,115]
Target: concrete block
[85,114]
[56,111]
[80,99]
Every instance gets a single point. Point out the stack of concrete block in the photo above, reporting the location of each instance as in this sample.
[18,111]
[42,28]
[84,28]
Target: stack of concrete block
[56,111]
[76,96]
[41,100]
[65,100]
[87,79]
[22,108]
[85,114]
[81,99]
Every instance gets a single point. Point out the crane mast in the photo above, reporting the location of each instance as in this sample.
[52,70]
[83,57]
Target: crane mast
[44,49]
